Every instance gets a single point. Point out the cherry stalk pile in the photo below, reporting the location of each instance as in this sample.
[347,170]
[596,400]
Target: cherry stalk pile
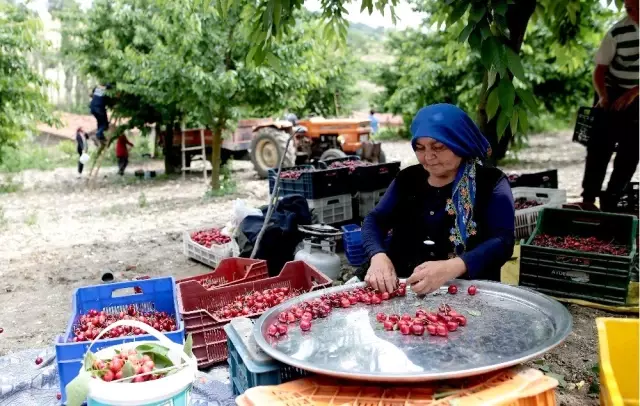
[92,323]
[294,173]
[256,302]
[584,244]
[126,364]
[210,237]
[524,203]
[441,323]
[351,164]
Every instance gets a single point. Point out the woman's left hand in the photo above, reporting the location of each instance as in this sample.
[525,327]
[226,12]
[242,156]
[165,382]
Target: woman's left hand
[429,276]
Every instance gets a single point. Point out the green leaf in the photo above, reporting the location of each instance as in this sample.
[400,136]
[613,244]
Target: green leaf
[492,103]
[489,52]
[457,12]
[475,39]
[544,368]
[128,370]
[560,378]
[523,121]
[478,11]
[503,122]
[514,122]
[152,348]
[506,93]
[501,9]
[474,313]
[78,389]
[539,362]
[161,361]
[188,346]
[491,78]
[466,31]
[528,99]
[515,64]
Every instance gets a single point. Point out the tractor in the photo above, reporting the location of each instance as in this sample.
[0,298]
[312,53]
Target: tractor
[313,139]
[265,141]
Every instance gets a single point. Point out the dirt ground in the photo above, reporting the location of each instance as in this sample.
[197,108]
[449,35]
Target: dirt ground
[56,234]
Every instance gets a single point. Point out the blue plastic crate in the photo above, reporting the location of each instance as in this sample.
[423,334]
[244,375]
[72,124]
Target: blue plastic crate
[353,245]
[315,184]
[246,372]
[158,294]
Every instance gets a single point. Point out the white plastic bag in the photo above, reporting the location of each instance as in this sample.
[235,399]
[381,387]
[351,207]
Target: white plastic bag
[84,158]
[242,210]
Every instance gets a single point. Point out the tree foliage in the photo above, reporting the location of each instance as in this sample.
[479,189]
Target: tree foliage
[22,101]
[494,31]
[174,62]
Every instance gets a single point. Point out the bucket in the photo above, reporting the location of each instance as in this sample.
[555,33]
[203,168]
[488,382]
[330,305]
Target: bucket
[171,390]
[84,158]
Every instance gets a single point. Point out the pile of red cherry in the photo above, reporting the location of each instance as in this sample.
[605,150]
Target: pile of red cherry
[351,164]
[255,302]
[294,173]
[91,324]
[585,244]
[524,203]
[210,237]
[441,323]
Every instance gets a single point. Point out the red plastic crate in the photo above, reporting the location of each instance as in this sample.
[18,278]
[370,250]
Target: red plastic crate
[210,346]
[232,271]
[198,305]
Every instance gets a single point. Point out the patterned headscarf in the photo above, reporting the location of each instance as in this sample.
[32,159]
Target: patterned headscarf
[455,129]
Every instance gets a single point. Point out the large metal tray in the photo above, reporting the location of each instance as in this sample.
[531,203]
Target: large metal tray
[506,325]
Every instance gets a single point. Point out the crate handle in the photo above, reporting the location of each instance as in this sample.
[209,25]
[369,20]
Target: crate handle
[333,201]
[542,195]
[122,292]
[587,222]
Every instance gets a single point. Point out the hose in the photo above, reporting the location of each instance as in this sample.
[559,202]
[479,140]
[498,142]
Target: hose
[272,200]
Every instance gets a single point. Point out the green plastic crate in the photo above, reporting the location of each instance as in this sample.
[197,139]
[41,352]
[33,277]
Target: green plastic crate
[575,274]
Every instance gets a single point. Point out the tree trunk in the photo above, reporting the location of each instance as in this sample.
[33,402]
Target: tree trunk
[168,150]
[216,148]
[518,16]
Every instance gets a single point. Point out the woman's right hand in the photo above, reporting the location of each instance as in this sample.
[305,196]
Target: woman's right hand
[381,274]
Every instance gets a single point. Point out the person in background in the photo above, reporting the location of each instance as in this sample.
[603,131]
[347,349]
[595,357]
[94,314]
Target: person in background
[98,107]
[82,146]
[122,152]
[374,122]
[616,83]
[451,215]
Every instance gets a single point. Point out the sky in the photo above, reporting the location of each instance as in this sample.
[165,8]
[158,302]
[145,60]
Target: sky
[406,16]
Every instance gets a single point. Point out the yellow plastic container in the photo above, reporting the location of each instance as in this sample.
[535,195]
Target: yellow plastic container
[618,349]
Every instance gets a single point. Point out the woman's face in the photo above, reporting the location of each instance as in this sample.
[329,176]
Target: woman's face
[436,158]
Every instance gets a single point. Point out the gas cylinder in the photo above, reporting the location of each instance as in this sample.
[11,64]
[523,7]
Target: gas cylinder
[321,254]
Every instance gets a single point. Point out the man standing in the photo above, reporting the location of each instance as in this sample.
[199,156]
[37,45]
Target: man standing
[616,82]
[98,107]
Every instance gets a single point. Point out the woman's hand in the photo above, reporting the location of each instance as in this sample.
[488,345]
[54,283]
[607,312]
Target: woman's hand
[429,276]
[382,274]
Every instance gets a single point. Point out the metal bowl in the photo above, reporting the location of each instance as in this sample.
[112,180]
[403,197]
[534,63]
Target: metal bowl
[506,325]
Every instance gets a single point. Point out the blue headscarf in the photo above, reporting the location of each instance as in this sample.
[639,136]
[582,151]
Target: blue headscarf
[455,129]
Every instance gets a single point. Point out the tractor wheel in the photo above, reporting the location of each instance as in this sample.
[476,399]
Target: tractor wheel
[332,153]
[267,148]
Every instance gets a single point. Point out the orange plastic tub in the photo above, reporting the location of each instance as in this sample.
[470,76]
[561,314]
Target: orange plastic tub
[517,386]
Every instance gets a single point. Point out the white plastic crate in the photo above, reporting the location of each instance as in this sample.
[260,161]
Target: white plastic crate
[331,210]
[208,256]
[368,200]
[526,219]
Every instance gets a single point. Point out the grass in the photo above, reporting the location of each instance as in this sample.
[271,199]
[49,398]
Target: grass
[7,185]
[228,186]
[32,219]
[391,134]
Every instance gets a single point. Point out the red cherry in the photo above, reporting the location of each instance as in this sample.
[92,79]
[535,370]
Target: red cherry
[417,329]
[472,290]
[453,289]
